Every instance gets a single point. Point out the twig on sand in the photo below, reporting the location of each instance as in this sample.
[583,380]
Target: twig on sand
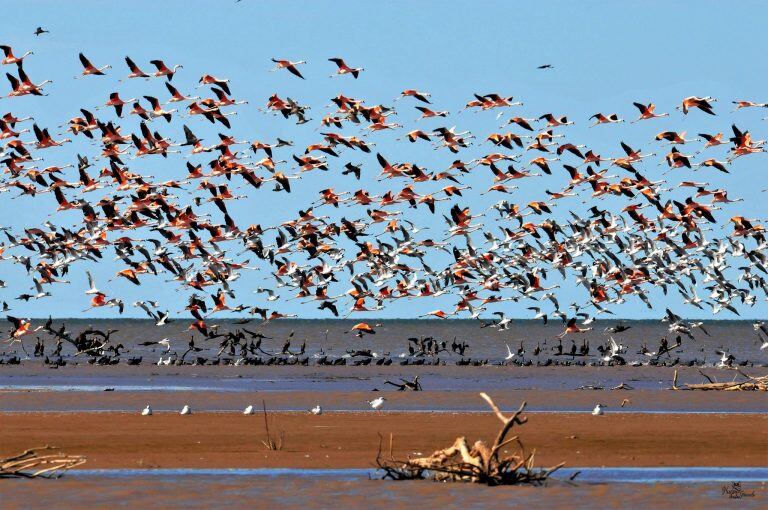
[270,443]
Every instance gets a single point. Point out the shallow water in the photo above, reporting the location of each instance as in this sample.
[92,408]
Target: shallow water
[640,475]
[287,379]
[691,488]
[329,337]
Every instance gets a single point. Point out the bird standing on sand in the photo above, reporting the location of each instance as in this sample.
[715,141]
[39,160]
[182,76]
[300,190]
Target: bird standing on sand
[377,403]
[186,410]
[248,410]
[598,410]
[317,410]
[147,411]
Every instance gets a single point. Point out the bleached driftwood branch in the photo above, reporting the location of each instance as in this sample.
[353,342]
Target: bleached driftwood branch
[34,464]
[479,463]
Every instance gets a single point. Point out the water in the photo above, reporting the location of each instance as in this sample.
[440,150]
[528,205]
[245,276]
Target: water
[329,337]
[640,475]
[635,488]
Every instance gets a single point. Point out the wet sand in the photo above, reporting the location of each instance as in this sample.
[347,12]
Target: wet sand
[648,401]
[230,379]
[350,440]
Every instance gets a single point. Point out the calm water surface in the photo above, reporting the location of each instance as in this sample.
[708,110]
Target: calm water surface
[352,489]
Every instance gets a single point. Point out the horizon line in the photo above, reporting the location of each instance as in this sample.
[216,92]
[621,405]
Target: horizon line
[370,319]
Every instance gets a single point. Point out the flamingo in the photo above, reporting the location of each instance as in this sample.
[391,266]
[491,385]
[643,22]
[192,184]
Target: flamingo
[10,58]
[290,66]
[89,69]
[162,69]
[343,68]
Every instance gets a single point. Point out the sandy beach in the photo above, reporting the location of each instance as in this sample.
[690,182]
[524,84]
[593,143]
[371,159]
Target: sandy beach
[350,439]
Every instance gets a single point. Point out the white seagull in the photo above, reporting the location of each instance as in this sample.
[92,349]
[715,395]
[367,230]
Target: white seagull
[510,354]
[92,289]
[147,411]
[186,410]
[248,410]
[598,410]
[316,410]
[377,403]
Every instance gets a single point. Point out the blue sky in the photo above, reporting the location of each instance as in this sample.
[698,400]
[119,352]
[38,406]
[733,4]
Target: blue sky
[606,55]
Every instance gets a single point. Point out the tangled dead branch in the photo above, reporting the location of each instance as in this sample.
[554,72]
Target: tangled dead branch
[36,463]
[406,385]
[478,463]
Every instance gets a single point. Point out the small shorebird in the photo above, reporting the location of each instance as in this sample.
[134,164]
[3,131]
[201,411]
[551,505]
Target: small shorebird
[147,411]
[377,403]
[598,410]
[248,410]
[186,410]
[317,410]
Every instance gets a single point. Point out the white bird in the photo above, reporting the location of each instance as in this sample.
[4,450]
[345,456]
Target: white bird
[510,354]
[726,359]
[147,411]
[186,410]
[598,410]
[248,410]
[377,403]
[269,292]
[92,289]
[316,410]
[162,319]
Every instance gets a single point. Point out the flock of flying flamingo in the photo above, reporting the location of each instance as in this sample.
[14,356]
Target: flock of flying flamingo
[350,251]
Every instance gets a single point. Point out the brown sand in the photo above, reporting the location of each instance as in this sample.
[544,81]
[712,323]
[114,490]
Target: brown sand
[348,440]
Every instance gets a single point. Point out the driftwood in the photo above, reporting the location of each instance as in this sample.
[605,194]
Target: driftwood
[414,385]
[35,463]
[750,384]
[478,463]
